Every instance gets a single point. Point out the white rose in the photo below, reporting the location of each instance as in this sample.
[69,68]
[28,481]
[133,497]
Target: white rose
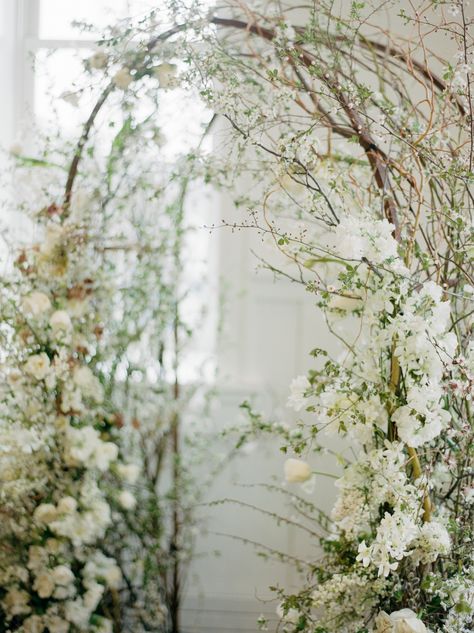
[62,575]
[296,471]
[122,78]
[128,472]
[45,513]
[38,366]
[403,621]
[67,505]
[44,584]
[60,321]
[36,303]
[98,60]
[166,75]
[127,500]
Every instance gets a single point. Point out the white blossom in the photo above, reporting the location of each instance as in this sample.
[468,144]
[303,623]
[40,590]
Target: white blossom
[297,471]
[122,78]
[36,303]
[38,366]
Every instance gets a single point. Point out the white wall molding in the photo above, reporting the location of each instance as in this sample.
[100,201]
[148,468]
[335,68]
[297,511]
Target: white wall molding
[225,613]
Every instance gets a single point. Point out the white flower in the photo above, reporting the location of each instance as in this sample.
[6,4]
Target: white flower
[44,584]
[128,472]
[98,60]
[298,388]
[127,500]
[88,383]
[36,303]
[56,624]
[105,454]
[364,553]
[86,447]
[101,567]
[403,621]
[67,505]
[296,471]
[93,595]
[166,75]
[122,78]
[433,541]
[60,321]
[16,602]
[38,366]
[112,576]
[45,513]
[37,557]
[356,238]
[53,546]
[16,149]
[62,575]
[77,613]
[33,624]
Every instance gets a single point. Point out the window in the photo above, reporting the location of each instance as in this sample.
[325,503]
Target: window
[48,45]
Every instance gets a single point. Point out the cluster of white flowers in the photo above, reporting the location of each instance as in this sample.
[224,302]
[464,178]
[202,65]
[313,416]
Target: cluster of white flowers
[380,505]
[346,594]
[56,445]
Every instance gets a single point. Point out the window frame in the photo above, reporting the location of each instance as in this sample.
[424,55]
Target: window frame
[22,32]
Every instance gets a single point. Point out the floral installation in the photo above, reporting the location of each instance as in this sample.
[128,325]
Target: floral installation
[356,149]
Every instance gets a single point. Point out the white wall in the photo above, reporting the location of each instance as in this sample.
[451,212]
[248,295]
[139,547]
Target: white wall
[270,327]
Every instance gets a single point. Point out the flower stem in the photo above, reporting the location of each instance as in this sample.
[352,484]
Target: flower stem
[414,459]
